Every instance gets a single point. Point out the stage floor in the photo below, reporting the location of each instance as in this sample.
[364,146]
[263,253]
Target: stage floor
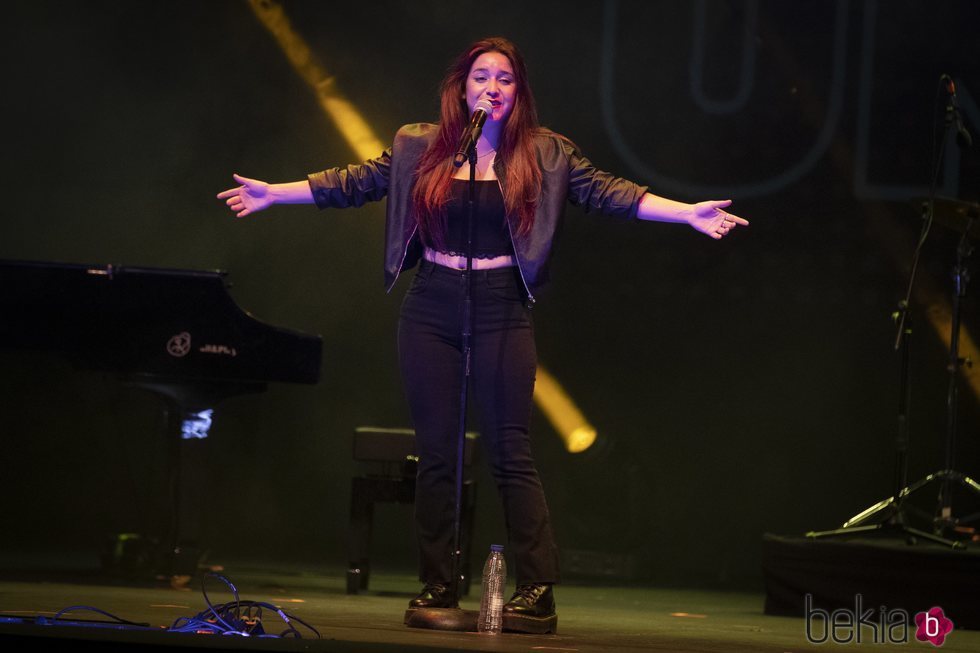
[608,618]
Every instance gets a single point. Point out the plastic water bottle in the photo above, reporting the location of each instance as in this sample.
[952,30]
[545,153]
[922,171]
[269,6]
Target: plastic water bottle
[492,602]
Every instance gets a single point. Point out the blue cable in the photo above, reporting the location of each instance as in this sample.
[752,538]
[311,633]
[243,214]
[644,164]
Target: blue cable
[247,623]
[87,607]
[238,617]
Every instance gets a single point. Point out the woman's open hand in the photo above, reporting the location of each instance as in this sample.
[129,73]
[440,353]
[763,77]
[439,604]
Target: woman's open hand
[251,196]
[709,218]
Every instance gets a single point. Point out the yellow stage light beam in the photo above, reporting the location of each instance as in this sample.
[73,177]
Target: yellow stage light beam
[344,115]
[571,425]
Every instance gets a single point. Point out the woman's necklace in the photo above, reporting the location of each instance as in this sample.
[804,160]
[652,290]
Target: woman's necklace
[483,163]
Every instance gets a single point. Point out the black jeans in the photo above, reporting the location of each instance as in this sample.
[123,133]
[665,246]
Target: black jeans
[503,367]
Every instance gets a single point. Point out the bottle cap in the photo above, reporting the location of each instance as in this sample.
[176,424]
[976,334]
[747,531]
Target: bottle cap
[499,548]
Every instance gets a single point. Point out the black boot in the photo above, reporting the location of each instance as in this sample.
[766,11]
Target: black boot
[433,595]
[531,610]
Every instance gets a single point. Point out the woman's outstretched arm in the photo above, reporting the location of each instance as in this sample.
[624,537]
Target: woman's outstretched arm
[253,195]
[707,217]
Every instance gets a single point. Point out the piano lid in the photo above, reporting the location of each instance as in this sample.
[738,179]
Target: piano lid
[177,324]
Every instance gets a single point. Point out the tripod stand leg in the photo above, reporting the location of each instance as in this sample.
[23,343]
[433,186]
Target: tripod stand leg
[868,513]
[910,533]
[847,530]
[938,539]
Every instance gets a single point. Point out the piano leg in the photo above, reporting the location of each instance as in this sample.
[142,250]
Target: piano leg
[191,496]
[189,407]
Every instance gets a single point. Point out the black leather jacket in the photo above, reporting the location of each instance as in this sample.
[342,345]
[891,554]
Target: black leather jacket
[566,175]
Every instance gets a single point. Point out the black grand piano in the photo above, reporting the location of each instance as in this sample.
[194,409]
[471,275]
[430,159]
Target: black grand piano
[176,333]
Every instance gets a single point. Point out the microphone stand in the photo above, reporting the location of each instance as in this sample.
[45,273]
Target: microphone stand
[467,346]
[455,618]
[961,276]
[893,508]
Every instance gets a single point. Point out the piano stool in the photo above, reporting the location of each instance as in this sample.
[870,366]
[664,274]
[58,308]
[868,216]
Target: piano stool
[390,462]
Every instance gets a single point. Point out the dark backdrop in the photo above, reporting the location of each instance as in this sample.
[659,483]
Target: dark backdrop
[738,387]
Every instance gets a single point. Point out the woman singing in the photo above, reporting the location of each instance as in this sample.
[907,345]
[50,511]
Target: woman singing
[524,175]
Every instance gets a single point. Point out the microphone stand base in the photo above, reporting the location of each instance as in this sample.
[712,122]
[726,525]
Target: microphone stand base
[442,619]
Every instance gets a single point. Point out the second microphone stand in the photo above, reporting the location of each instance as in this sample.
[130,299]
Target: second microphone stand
[891,512]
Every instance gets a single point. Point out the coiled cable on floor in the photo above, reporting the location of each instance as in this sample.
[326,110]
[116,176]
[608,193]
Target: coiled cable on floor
[238,617]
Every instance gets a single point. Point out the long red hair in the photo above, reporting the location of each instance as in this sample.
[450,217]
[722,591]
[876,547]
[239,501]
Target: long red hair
[522,174]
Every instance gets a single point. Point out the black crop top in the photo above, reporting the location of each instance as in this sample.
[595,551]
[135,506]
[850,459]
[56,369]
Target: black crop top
[491,237]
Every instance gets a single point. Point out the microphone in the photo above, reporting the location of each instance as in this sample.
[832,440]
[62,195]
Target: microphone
[472,132]
[953,111]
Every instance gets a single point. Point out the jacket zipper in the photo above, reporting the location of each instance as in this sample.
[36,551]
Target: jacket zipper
[404,255]
[530,298]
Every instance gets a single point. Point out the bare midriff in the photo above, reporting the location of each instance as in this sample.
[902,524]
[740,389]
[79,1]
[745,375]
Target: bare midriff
[459,262]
